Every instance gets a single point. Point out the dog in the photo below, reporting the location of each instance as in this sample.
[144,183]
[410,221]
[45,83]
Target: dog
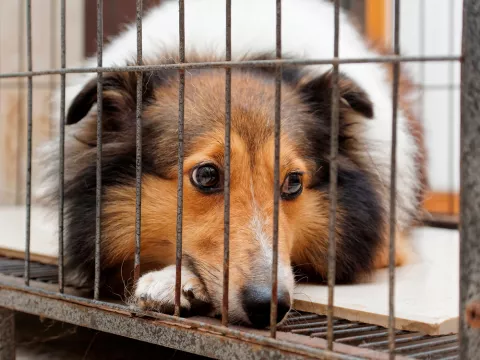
[365,141]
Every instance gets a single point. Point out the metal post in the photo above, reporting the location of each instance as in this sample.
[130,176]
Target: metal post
[226,211]
[98,190]
[393,188]
[28,197]
[181,128]
[138,146]
[276,172]
[333,179]
[7,334]
[470,184]
[61,170]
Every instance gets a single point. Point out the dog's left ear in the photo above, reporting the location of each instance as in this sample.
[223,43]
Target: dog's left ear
[317,93]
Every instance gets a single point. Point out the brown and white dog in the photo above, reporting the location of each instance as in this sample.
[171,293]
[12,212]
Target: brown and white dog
[363,160]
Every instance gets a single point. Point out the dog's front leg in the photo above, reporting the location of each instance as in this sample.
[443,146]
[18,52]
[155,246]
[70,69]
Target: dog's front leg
[156,291]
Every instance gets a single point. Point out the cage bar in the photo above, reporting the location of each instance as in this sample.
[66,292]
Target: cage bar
[469,329]
[226,170]
[276,172]
[237,64]
[28,197]
[61,170]
[138,145]
[98,194]
[333,177]
[181,108]
[7,334]
[393,187]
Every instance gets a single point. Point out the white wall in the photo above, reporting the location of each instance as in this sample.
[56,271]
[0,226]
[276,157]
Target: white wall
[441,21]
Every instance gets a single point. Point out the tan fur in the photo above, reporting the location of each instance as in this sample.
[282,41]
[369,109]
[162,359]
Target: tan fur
[402,253]
[301,221]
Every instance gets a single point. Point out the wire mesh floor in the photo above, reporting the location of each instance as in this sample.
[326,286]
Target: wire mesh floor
[410,344]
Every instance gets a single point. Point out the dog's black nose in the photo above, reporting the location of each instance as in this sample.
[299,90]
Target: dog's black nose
[256,303]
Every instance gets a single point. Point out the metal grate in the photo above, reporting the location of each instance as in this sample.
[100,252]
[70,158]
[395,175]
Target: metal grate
[410,344]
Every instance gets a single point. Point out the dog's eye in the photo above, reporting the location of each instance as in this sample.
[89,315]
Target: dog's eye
[292,186]
[206,178]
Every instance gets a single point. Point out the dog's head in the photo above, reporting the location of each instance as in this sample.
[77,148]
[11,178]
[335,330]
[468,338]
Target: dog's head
[304,180]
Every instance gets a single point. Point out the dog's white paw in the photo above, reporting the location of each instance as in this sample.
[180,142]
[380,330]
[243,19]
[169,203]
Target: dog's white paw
[156,291]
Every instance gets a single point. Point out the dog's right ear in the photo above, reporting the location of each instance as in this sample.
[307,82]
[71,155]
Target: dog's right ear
[119,99]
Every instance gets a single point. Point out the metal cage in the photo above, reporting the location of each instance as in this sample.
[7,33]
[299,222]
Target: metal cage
[220,340]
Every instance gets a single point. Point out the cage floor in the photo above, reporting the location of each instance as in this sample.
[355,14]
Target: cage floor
[426,289]
[409,344]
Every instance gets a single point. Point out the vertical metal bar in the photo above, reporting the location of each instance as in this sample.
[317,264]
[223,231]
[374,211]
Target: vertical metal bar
[393,187]
[138,142]
[276,173]
[450,108]
[226,213]
[61,175]
[29,144]
[7,334]
[333,177]
[98,194]
[470,184]
[181,99]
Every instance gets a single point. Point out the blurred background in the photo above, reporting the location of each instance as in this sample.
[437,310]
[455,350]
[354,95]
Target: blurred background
[428,27]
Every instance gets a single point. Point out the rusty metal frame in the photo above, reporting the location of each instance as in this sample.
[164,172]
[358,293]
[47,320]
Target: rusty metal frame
[189,335]
[470,184]
[202,337]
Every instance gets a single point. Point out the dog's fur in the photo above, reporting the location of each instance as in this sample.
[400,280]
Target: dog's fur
[363,160]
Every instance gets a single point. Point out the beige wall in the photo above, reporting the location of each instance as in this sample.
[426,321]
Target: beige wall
[13,93]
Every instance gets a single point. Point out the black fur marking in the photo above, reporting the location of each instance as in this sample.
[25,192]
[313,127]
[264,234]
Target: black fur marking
[362,221]
[318,93]
[81,206]
[357,237]
[118,160]
[123,84]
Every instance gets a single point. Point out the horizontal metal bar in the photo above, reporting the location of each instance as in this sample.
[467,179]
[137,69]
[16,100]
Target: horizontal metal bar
[398,340]
[236,64]
[363,337]
[436,341]
[347,331]
[49,85]
[323,328]
[305,326]
[184,334]
[305,317]
[52,84]
[430,353]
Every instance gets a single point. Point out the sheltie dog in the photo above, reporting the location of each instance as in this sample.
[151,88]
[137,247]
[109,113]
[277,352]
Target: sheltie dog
[365,140]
